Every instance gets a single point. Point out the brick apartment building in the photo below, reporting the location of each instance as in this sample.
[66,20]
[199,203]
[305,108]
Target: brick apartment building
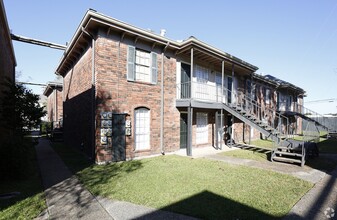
[53,92]
[7,59]
[128,92]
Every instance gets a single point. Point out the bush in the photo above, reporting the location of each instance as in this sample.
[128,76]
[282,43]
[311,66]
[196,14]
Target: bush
[45,127]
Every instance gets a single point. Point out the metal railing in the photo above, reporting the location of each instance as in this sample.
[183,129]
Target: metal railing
[320,119]
[213,93]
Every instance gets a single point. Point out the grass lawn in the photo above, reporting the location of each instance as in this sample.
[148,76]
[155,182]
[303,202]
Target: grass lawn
[321,163]
[269,144]
[30,202]
[197,187]
[251,154]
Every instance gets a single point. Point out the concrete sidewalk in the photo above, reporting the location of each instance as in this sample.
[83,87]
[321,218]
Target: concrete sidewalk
[67,198]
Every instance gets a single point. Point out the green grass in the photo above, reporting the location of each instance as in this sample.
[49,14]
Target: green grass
[197,187]
[269,144]
[30,203]
[248,154]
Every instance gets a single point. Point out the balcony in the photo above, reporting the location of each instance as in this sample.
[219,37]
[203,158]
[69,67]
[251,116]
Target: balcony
[200,94]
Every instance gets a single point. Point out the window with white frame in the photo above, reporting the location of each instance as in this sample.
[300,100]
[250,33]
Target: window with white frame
[141,65]
[202,128]
[142,128]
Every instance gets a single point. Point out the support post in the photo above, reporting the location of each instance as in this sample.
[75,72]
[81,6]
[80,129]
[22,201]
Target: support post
[216,130]
[192,71]
[221,128]
[236,101]
[189,130]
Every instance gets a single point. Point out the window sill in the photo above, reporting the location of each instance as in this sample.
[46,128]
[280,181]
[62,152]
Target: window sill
[141,82]
[142,151]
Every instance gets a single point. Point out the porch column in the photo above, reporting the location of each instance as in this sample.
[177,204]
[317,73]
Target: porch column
[216,133]
[232,130]
[190,111]
[189,130]
[192,72]
[221,128]
[222,95]
[222,79]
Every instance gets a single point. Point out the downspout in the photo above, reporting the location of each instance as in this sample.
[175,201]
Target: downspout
[93,98]
[162,148]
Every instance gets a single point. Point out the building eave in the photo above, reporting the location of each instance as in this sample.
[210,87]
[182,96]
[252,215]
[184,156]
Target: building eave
[93,20]
[7,30]
[51,86]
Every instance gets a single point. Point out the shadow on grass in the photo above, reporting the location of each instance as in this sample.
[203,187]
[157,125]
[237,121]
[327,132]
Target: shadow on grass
[91,174]
[255,149]
[29,201]
[207,205]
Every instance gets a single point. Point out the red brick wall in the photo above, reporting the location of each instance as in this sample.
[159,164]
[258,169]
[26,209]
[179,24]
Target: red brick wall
[78,101]
[7,63]
[54,113]
[116,94]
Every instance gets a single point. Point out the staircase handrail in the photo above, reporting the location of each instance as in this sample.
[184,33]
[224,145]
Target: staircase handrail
[257,105]
[319,118]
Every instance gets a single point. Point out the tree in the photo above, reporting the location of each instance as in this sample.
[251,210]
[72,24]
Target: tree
[20,109]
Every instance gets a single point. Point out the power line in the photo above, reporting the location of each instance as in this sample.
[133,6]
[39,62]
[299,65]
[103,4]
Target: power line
[321,100]
[38,42]
[31,83]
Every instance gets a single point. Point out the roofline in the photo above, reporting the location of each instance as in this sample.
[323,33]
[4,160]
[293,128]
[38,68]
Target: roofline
[92,15]
[7,30]
[50,87]
[280,85]
[219,53]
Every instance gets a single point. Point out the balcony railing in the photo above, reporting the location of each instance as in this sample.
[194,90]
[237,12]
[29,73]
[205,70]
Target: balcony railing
[200,91]
[213,93]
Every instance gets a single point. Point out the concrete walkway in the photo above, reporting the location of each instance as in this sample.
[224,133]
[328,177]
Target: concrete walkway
[67,198]
[319,203]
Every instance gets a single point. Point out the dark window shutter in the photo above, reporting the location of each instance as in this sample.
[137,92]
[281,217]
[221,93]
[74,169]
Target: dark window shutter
[154,68]
[131,63]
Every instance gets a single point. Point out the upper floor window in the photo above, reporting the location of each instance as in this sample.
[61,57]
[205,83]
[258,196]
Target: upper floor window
[268,96]
[142,65]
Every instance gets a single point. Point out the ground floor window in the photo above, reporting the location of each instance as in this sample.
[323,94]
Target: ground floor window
[142,128]
[202,128]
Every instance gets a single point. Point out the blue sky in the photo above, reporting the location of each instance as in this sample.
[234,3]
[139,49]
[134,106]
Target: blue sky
[294,40]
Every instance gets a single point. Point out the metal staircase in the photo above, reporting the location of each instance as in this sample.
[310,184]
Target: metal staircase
[315,117]
[270,123]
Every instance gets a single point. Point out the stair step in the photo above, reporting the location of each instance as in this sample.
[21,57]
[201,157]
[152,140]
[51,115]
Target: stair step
[289,153]
[288,160]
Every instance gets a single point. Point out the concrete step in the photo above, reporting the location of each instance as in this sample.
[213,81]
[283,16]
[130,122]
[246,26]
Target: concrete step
[287,160]
[288,153]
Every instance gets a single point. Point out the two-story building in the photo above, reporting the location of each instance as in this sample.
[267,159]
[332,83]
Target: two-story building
[129,92]
[53,92]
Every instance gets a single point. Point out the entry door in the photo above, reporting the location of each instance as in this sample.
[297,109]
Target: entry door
[185,81]
[183,130]
[118,137]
